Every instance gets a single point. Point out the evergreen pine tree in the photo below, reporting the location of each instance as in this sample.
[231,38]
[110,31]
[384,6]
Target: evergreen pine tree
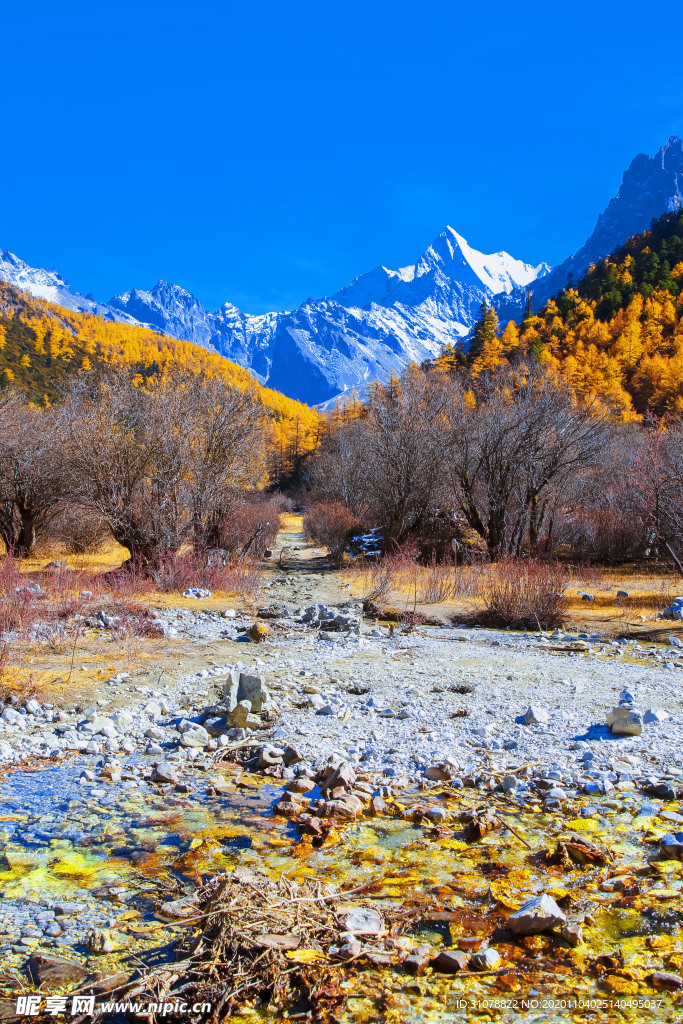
[484,332]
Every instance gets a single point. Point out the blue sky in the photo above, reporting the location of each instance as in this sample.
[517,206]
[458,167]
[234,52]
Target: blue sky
[265,152]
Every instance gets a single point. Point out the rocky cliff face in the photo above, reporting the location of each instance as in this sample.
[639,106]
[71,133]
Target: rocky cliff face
[650,187]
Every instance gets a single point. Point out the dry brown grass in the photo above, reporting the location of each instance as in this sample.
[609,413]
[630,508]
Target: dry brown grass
[650,590]
[45,643]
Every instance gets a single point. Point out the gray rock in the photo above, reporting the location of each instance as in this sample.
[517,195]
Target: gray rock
[671,846]
[363,921]
[654,717]
[539,914]
[664,981]
[350,949]
[238,717]
[216,725]
[54,971]
[184,907]
[625,721]
[165,772]
[450,961]
[252,688]
[573,934]
[535,715]
[487,960]
[291,756]
[195,737]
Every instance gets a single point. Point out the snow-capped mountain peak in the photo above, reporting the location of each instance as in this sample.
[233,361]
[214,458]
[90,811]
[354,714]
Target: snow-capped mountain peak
[44,284]
[498,271]
[365,332]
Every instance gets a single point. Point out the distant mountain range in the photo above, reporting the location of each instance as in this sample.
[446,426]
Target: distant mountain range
[384,318]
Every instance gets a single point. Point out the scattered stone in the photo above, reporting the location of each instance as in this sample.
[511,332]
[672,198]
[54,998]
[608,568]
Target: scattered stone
[238,717]
[54,971]
[663,981]
[625,720]
[363,921]
[291,804]
[572,934]
[196,736]
[671,846]
[510,783]
[440,772]
[100,941]
[534,715]
[415,964]
[301,785]
[652,717]
[165,772]
[351,948]
[675,609]
[539,914]
[181,909]
[487,960]
[377,805]
[450,961]
[258,632]
[291,756]
[269,757]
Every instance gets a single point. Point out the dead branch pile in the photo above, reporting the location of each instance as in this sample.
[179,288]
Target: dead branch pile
[282,943]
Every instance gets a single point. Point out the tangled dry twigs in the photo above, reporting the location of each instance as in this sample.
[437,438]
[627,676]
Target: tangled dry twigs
[254,938]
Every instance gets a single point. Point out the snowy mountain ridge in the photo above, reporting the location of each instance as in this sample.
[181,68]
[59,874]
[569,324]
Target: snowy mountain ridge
[330,346]
[50,286]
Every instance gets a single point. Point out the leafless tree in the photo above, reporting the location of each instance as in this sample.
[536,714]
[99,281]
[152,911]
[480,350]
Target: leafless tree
[655,487]
[31,478]
[384,465]
[158,462]
[512,443]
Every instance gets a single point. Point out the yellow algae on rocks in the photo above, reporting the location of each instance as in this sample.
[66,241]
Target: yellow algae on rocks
[582,825]
[73,865]
[507,895]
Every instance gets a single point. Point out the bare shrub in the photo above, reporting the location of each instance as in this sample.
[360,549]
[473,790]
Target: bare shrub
[379,579]
[396,571]
[605,534]
[469,580]
[329,524]
[18,602]
[76,531]
[129,580]
[525,594]
[436,581]
[176,573]
[250,528]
